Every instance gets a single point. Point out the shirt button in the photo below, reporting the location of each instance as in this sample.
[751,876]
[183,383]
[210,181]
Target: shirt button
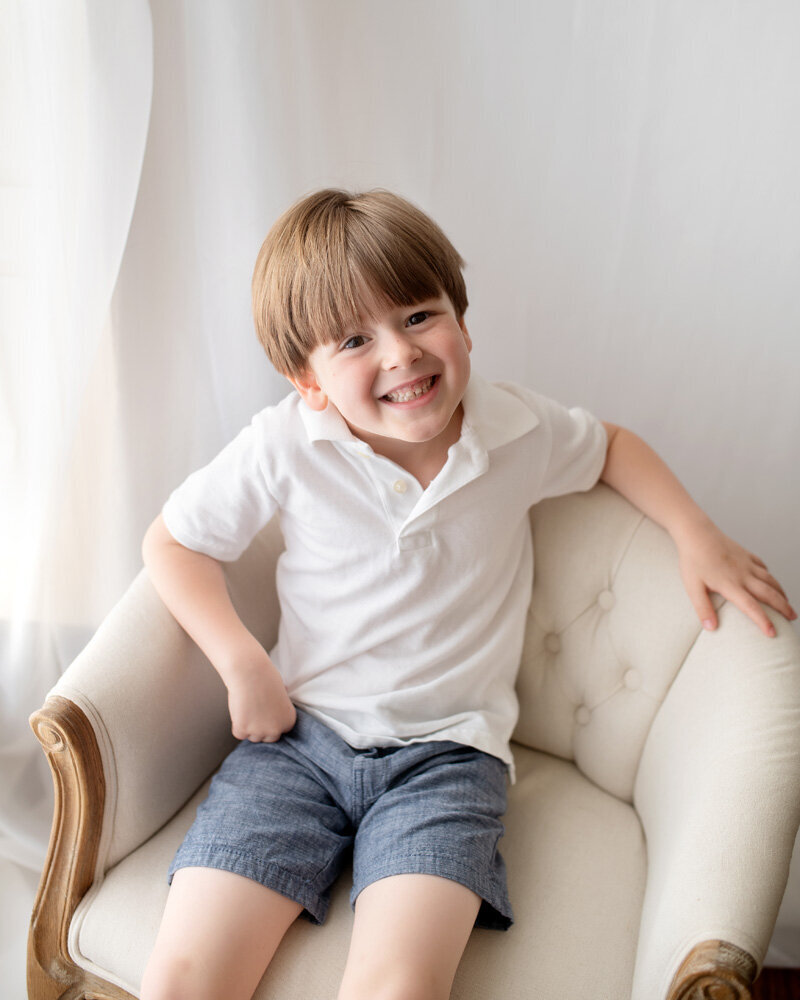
[606,600]
[400,485]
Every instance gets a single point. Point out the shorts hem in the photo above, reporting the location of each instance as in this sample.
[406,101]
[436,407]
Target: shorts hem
[266,873]
[495,911]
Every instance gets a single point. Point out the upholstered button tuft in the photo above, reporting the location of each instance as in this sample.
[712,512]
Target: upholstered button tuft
[582,715]
[606,600]
[552,643]
[632,680]
[400,485]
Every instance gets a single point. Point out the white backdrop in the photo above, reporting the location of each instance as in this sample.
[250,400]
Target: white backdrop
[619,176]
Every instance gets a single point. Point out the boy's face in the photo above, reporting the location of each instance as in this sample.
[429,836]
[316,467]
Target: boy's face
[399,376]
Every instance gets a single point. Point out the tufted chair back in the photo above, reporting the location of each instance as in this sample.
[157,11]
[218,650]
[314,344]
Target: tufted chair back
[606,635]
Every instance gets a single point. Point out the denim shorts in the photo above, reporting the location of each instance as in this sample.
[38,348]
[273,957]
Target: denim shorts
[291,814]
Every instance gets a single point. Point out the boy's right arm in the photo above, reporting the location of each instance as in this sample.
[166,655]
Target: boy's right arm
[193,587]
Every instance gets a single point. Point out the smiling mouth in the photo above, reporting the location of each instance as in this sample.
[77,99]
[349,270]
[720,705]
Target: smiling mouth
[410,392]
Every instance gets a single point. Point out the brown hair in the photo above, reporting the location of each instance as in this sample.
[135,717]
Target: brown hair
[333,255]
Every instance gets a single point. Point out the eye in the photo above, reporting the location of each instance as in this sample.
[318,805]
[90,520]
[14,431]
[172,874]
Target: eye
[417,318]
[357,341]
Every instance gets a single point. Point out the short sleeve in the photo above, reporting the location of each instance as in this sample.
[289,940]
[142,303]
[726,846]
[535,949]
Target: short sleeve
[578,445]
[220,508]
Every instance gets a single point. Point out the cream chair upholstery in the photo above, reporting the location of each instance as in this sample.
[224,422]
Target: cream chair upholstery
[648,835]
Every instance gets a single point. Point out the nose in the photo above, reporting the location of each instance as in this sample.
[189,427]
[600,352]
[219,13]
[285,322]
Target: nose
[399,351]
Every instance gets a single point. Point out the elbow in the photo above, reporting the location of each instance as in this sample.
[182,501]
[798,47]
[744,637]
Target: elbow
[612,430]
[147,544]
[154,538]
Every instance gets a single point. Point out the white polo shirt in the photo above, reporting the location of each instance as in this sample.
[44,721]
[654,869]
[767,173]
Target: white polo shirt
[402,610]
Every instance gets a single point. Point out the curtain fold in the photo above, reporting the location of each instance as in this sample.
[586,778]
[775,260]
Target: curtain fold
[79,77]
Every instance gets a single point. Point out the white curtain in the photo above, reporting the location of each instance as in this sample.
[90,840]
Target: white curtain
[620,177]
[76,83]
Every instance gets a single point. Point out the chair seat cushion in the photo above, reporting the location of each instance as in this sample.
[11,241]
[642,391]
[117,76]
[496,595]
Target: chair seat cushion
[576,868]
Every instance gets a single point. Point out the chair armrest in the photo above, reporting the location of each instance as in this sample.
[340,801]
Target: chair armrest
[133,727]
[718,794]
[68,739]
[156,711]
[715,969]
[157,708]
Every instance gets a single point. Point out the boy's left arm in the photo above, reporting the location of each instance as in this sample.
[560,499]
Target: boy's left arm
[709,560]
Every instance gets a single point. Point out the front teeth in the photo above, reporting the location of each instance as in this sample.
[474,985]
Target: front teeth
[406,395]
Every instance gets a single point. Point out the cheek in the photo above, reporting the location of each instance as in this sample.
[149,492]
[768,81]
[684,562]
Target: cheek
[460,356]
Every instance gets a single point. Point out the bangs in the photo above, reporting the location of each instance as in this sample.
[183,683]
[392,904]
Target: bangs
[372,270]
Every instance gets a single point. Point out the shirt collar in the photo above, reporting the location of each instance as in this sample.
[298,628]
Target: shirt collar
[324,425]
[495,413]
[491,411]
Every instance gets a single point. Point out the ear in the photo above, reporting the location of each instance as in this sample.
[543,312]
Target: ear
[465,331]
[310,390]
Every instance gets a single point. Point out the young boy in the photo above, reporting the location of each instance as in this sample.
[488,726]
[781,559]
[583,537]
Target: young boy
[381,720]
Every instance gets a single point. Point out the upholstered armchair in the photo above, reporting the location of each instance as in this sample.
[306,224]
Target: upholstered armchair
[648,835]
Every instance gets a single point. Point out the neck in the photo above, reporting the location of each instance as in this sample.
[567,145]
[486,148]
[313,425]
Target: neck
[424,460]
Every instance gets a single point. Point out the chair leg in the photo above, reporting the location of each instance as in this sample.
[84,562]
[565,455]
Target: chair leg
[714,970]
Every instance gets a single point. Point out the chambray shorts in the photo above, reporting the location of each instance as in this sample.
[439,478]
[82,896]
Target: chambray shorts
[291,814]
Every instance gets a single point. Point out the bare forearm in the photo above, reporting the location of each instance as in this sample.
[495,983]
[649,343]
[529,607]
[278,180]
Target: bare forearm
[633,469]
[193,587]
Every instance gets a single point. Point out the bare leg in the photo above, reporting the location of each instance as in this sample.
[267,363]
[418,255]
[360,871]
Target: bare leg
[218,935]
[409,935]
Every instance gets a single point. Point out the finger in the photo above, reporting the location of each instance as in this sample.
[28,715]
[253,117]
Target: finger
[792,614]
[766,577]
[773,596]
[701,602]
[751,607]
